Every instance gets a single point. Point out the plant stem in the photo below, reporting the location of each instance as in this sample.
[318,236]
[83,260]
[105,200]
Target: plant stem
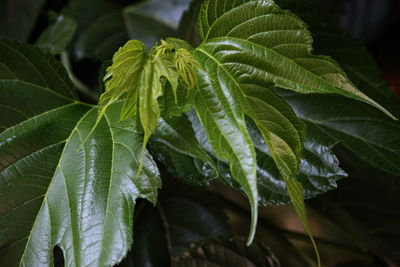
[166,229]
[78,84]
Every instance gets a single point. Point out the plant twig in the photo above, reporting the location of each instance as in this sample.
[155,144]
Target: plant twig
[78,84]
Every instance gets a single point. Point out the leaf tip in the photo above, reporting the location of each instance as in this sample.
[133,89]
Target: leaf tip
[253,224]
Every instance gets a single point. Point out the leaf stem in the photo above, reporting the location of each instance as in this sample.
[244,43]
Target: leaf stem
[78,84]
[166,228]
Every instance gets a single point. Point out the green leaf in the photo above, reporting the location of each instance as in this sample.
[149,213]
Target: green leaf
[58,35]
[188,27]
[232,252]
[30,73]
[216,105]
[318,173]
[259,40]
[100,30]
[177,133]
[123,74]
[368,133]
[18,17]
[59,190]
[175,145]
[279,126]
[150,21]
[256,43]
[282,132]
[143,78]
[319,167]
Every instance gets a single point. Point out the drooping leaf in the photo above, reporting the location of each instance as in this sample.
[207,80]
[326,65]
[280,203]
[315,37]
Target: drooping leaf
[319,167]
[18,17]
[255,42]
[279,127]
[60,190]
[58,35]
[217,108]
[318,173]
[228,253]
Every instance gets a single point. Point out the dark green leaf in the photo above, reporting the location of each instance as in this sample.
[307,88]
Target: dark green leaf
[34,74]
[362,129]
[75,188]
[177,133]
[262,42]
[318,172]
[188,27]
[183,216]
[58,35]
[18,17]
[101,28]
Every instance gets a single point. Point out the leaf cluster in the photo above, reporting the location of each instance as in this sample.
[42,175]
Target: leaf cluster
[251,104]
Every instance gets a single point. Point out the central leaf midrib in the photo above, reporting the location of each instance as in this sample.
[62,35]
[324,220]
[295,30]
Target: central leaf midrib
[109,187]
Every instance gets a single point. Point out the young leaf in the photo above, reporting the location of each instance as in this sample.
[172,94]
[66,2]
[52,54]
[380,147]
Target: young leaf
[60,190]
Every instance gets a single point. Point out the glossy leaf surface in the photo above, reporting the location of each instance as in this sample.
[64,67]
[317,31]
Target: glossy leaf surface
[368,133]
[60,190]
[265,42]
